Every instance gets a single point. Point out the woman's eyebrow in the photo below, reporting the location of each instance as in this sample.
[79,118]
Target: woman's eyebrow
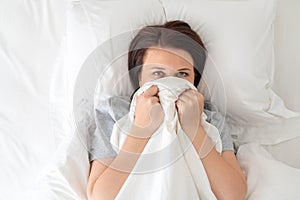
[157,67]
[166,67]
[184,69]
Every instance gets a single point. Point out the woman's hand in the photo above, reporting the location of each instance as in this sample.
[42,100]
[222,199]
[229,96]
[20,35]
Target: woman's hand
[190,107]
[148,112]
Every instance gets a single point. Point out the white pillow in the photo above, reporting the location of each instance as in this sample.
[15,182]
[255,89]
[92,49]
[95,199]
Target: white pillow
[78,42]
[66,177]
[239,37]
[287,59]
[111,18]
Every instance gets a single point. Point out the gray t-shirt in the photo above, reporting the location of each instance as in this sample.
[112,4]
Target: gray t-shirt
[111,110]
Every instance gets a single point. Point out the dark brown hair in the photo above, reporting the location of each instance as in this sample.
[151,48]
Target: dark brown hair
[172,34]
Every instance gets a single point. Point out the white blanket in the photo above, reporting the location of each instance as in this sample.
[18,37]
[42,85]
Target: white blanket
[169,167]
[267,177]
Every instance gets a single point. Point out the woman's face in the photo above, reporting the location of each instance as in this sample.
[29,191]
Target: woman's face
[159,63]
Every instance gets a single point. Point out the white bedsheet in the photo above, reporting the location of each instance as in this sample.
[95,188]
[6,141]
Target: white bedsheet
[267,177]
[169,157]
[30,33]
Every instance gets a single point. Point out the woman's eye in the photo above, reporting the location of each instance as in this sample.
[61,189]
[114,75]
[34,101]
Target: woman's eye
[182,74]
[158,73]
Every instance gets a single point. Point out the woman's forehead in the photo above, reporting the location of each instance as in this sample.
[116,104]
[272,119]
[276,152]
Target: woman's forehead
[168,56]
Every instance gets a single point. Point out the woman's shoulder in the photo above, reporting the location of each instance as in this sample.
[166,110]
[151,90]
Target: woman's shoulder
[116,106]
[214,116]
[119,100]
[212,111]
[208,105]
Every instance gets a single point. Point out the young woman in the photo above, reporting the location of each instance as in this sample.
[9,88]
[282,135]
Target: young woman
[172,49]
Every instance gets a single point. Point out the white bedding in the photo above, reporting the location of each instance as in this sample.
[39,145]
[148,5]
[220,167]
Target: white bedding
[169,157]
[30,36]
[268,178]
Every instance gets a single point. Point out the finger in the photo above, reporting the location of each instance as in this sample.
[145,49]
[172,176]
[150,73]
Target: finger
[194,92]
[200,96]
[156,113]
[193,95]
[179,106]
[183,97]
[154,100]
[152,91]
[188,93]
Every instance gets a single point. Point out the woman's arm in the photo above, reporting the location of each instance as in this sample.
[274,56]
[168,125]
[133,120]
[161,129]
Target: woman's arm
[224,173]
[107,176]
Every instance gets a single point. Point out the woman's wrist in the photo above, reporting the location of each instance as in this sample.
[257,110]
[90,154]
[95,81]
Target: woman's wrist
[129,154]
[136,140]
[202,143]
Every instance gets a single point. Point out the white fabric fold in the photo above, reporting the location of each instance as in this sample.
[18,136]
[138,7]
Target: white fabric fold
[169,166]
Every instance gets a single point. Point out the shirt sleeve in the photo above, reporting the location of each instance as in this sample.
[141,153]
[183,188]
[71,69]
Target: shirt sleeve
[100,146]
[106,113]
[218,120]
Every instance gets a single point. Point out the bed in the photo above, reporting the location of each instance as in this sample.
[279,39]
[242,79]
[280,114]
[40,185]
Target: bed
[49,58]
